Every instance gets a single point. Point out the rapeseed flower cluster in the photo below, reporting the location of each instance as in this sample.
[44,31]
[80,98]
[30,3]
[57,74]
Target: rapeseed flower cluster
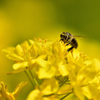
[55,73]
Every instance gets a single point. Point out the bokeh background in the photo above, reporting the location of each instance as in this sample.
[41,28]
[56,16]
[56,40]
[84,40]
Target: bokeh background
[22,20]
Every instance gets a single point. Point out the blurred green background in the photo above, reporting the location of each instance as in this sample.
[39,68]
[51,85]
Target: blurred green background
[22,20]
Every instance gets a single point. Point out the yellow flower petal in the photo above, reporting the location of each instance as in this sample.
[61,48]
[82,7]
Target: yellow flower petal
[85,75]
[20,66]
[25,46]
[71,73]
[63,69]
[91,90]
[19,50]
[48,72]
[88,62]
[78,92]
[49,86]
[34,95]
[76,54]
[43,63]
[96,64]
[13,56]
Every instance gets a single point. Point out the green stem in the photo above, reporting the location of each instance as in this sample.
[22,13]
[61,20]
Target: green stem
[34,79]
[30,79]
[65,96]
[63,82]
[48,95]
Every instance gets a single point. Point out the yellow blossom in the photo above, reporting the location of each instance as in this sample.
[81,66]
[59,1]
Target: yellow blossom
[25,55]
[6,95]
[48,87]
[64,75]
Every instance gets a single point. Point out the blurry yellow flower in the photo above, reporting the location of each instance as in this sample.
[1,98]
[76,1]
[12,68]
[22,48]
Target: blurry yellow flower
[37,95]
[26,55]
[48,87]
[82,73]
[66,88]
[6,95]
[55,62]
[20,54]
[34,95]
[65,75]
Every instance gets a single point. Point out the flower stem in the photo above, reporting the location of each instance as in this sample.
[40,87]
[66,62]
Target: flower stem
[30,79]
[34,79]
[63,82]
[65,96]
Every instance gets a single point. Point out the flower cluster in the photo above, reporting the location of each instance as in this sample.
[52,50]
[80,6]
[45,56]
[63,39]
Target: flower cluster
[64,75]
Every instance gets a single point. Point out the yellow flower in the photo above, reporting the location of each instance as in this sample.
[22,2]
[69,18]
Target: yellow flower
[64,74]
[47,57]
[82,73]
[48,87]
[20,55]
[55,62]
[6,95]
[26,54]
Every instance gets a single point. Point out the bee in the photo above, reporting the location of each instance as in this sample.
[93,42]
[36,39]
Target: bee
[68,38]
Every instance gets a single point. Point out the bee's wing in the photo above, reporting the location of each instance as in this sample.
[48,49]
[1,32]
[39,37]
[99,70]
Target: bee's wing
[79,36]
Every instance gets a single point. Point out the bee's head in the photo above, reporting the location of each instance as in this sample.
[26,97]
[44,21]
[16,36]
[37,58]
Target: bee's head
[65,36]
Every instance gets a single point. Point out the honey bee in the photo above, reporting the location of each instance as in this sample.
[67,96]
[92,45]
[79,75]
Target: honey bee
[68,38]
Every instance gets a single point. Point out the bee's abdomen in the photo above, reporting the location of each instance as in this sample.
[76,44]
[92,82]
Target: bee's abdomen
[74,43]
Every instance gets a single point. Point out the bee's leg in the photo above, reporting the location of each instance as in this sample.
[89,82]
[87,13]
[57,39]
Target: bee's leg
[68,43]
[70,48]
